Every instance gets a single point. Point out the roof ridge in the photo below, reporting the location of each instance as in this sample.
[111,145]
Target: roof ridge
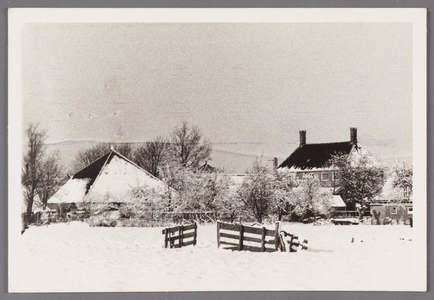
[344,142]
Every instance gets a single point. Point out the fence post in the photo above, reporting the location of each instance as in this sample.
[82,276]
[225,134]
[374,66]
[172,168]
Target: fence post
[263,239]
[165,238]
[276,236]
[218,234]
[195,234]
[180,233]
[240,244]
[294,243]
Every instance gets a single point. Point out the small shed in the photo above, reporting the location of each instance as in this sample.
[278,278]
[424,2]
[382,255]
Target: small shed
[339,208]
[338,203]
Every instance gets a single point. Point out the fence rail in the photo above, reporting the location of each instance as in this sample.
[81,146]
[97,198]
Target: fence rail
[174,237]
[266,240]
[290,242]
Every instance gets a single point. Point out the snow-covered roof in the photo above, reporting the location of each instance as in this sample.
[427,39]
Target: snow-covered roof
[108,179]
[310,156]
[337,201]
[73,191]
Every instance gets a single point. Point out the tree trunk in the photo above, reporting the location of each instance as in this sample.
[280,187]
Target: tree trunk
[361,211]
[29,208]
[279,214]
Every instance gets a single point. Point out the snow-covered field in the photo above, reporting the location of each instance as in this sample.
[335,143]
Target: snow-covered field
[77,258]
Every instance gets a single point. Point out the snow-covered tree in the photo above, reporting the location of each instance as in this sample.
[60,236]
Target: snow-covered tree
[360,179]
[311,197]
[257,192]
[403,179]
[195,189]
[284,198]
[144,202]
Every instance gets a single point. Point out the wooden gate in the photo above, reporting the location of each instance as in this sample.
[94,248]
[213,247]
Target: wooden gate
[241,237]
[180,236]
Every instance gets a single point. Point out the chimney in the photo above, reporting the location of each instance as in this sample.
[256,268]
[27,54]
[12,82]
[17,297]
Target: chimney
[275,163]
[302,137]
[353,132]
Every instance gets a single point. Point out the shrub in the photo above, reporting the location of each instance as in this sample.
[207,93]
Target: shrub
[102,221]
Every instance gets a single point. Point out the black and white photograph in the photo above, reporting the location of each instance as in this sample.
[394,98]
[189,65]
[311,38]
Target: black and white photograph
[168,150]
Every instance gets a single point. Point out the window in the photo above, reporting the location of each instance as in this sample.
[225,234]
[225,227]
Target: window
[410,210]
[393,210]
[324,176]
[407,193]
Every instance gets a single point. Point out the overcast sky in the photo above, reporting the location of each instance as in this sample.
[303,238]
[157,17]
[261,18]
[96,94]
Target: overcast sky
[249,87]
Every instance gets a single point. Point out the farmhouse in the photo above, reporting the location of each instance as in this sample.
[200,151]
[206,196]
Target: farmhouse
[109,179]
[315,159]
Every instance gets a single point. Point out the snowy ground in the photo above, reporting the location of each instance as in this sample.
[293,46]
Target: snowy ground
[77,258]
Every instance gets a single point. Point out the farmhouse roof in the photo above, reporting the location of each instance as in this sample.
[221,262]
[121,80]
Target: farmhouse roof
[111,174]
[310,156]
[90,172]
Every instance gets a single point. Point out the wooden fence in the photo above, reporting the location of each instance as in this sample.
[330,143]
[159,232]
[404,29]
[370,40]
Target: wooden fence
[248,238]
[175,237]
[257,239]
[290,242]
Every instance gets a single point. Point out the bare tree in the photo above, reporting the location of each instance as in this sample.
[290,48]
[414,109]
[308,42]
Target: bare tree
[51,178]
[40,175]
[89,155]
[32,171]
[152,155]
[188,147]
